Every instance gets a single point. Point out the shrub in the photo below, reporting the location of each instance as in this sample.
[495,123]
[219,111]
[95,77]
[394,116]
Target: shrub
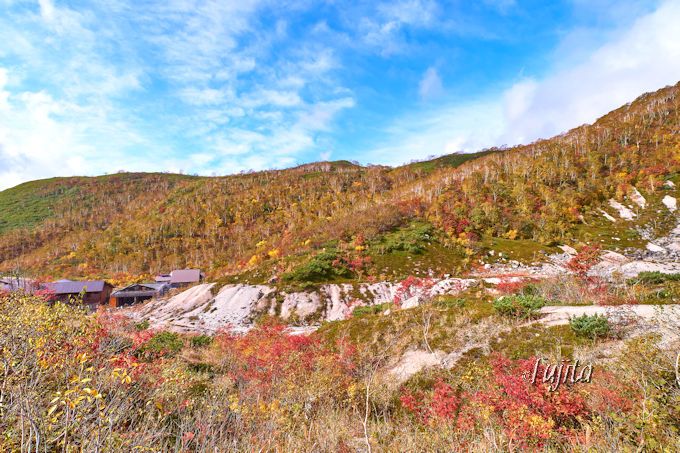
[369,310]
[323,266]
[411,240]
[142,325]
[654,278]
[519,306]
[595,326]
[200,341]
[161,344]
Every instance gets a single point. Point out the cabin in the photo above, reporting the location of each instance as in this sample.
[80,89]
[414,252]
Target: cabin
[10,284]
[181,277]
[138,292]
[94,292]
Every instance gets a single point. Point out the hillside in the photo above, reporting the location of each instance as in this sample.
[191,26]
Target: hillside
[317,329]
[337,221]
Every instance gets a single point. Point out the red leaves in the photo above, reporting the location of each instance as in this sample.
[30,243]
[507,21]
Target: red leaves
[510,286]
[268,355]
[45,294]
[441,405]
[412,286]
[584,260]
[529,413]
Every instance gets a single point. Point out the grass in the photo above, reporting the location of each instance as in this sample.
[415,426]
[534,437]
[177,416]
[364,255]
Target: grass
[450,160]
[522,250]
[536,339]
[28,204]
[449,315]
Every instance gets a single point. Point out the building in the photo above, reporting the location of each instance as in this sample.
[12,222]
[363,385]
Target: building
[138,292]
[18,284]
[181,277]
[94,292]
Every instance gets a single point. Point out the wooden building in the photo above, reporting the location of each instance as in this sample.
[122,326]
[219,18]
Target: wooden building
[94,292]
[136,293]
[181,277]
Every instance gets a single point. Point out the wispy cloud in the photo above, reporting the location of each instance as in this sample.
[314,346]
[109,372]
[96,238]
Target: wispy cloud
[431,84]
[220,87]
[639,57]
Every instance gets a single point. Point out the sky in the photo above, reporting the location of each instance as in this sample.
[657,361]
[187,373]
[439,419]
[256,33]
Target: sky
[221,87]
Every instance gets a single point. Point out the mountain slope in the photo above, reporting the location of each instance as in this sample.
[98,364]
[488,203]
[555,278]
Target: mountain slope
[336,220]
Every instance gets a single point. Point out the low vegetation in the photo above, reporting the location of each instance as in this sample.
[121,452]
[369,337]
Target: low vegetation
[590,326]
[519,306]
[73,382]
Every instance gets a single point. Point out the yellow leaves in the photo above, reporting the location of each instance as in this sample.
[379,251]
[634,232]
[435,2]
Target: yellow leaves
[262,243]
[254,260]
[234,403]
[360,248]
[512,235]
[274,253]
[121,375]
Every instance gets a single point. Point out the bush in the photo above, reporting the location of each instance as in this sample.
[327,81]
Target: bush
[162,344]
[654,278]
[142,325]
[411,240]
[369,310]
[200,341]
[595,326]
[519,306]
[321,267]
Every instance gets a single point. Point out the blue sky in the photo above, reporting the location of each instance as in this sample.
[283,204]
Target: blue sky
[218,87]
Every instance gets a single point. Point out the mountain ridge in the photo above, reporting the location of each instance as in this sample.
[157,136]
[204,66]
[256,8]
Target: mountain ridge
[135,224]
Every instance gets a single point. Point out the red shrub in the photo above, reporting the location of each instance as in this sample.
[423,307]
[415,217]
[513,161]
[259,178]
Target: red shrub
[267,356]
[584,260]
[412,286]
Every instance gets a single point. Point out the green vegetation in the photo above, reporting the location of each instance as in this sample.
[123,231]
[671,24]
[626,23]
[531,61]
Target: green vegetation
[412,239]
[654,278]
[142,325]
[163,343]
[449,161]
[593,327]
[28,204]
[201,341]
[370,309]
[519,306]
[322,267]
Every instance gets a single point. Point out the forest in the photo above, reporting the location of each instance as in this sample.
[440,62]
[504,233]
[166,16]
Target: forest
[127,226]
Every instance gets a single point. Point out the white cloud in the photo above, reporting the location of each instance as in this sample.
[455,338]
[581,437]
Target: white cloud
[640,58]
[430,85]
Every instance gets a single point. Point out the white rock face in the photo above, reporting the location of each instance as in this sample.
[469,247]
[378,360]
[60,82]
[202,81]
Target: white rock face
[654,248]
[624,212]
[607,216]
[637,198]
[197,310]
[567,249]
[670,202]
[300,304]
[414,361]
